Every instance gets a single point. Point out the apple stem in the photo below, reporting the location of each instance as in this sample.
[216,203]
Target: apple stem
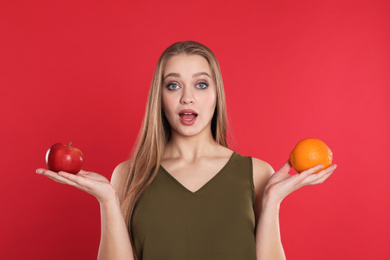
[70,144]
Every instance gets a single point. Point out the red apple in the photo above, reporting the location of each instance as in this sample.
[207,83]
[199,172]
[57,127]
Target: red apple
[61,157]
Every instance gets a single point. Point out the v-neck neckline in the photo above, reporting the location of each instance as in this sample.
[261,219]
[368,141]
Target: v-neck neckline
[204,185]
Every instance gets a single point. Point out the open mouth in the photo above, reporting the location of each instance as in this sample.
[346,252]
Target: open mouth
[188,116]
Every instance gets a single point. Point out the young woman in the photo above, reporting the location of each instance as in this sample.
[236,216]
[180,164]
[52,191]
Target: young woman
[184,194]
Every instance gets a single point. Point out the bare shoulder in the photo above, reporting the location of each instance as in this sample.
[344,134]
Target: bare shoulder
[119,173]
[261,170]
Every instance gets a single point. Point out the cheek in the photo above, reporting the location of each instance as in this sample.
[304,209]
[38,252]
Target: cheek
[212,100]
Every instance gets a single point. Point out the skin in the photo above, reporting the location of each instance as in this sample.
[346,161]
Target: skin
[189,148]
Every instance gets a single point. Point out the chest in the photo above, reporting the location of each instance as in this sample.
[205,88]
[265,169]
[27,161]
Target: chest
[195,175]
[169,217]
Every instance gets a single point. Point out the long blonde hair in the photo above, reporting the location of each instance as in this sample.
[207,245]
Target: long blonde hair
[155,129]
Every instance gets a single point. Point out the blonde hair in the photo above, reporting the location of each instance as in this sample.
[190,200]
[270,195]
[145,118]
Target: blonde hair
[155,130]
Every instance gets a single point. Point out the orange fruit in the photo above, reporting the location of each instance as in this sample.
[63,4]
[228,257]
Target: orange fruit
[310,152]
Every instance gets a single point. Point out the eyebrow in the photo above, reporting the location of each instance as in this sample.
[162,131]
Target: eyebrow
[177,75]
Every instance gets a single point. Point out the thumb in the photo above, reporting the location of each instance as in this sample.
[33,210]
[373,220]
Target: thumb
[286,167]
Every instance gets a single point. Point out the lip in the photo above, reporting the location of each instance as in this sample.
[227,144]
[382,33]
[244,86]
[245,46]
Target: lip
[187,121]
[190,111]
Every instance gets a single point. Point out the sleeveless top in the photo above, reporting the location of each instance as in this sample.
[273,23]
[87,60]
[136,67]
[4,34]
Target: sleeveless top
[216,222]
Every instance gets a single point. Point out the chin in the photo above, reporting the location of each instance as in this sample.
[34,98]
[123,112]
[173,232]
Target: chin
[188,133]
[191,131]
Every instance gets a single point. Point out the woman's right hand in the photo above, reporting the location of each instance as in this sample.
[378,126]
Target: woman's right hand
[90,182]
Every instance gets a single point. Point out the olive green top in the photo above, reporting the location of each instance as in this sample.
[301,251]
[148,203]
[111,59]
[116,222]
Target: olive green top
[216,222]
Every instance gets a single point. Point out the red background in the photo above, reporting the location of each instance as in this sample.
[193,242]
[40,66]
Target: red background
[80,71]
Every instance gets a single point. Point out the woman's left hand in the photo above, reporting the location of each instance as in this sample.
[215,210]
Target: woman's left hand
[282,183]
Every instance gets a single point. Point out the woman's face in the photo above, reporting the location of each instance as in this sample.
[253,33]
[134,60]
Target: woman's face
[188,95]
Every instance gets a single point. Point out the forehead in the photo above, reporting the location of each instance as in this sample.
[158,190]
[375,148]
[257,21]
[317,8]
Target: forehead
[186,64]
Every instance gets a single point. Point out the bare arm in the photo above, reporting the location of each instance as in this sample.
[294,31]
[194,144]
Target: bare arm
[268,241]
[115,242]
[271,188]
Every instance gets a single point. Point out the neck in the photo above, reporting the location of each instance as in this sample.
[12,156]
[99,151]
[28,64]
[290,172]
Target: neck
[190,147]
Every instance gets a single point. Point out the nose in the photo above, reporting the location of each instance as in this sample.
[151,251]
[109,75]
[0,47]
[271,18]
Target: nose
[187,96]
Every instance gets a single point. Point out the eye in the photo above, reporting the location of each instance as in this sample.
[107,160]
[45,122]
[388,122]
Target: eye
[172,86]
[202,85]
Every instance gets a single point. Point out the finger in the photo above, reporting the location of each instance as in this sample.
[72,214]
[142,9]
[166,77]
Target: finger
[46,172]
[301,177]
[286,167]
[75,180]
[327,172]
[307,177]
[321,180]
[55,179]
[282,173]
[70,176]
[319,177]
[40,171]
[52,175]
[83,172]
[310,171]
